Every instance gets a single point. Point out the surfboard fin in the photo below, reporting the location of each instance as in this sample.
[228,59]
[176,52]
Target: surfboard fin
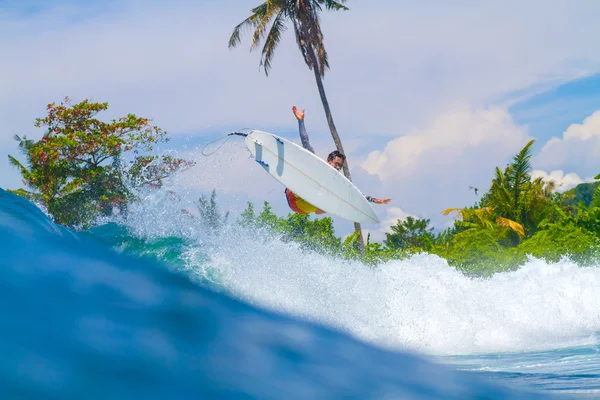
[264,164]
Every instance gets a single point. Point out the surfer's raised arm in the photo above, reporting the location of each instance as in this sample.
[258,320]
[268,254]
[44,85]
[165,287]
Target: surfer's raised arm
[335,158]
[303,135]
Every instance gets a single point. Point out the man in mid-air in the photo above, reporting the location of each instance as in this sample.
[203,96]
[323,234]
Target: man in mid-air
[335,159]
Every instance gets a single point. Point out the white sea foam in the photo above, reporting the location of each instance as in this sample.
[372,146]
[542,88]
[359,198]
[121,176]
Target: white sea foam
[420,303]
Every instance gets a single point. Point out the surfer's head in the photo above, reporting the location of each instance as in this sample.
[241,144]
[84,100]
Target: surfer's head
[336,159]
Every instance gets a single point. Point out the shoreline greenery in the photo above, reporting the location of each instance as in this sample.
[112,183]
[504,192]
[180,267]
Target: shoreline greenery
[83,168]
[517,218]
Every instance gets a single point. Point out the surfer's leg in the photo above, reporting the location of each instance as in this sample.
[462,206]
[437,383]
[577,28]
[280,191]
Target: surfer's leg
[298,204]
[305,206]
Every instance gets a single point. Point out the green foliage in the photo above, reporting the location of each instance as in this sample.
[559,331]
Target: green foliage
[588,218]
[516,198]
[248,216]
[33,197]
[374,253]
[517,218]
[559,240]
[586,214]
[479,252]
[267,218]
[76,168]
[311,234]
[410,233]
[584,192]
[318,235]
[315,234]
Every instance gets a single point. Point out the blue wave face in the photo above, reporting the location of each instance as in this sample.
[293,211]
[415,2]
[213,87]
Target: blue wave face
[81,321]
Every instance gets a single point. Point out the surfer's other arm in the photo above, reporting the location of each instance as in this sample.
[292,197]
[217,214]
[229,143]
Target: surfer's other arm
[303,134]
[377,201]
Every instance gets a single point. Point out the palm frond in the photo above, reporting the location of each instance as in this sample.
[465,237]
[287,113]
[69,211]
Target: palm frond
[15,163]
[25,173]
[303,14]
[447,211]
[273,39]
[466,224]
[271,10]
[24,143]
[500,196]
[515,226]
[520,168]
[481,212]
[334,5]
[251,22]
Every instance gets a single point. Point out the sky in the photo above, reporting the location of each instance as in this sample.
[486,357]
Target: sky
[428,97]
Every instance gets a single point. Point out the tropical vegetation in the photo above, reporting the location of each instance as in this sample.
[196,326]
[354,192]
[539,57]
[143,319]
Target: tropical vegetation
[83,168]
[517,218]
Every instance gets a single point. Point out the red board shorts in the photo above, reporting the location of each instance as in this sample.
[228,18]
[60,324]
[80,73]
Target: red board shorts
[298,204]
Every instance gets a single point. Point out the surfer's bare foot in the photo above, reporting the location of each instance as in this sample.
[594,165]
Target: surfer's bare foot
[299,114]
[319,212]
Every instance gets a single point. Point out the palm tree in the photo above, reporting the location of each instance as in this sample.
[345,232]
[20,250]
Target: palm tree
[514,201]
[304,16]
[509,187]
[516,196]
[412,232]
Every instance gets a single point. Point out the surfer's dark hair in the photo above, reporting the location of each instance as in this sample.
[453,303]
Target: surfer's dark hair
[335,154]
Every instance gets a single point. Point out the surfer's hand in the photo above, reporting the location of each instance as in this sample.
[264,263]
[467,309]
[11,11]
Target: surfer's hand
[381,201]
[299,114]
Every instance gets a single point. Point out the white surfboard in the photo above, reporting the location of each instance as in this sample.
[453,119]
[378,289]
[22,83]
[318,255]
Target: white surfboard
[310,177]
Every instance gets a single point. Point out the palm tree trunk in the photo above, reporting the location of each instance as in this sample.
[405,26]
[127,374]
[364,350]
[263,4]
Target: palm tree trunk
[336,137]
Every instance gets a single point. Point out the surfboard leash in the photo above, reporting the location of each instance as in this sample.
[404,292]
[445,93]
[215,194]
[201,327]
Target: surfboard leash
[226,137]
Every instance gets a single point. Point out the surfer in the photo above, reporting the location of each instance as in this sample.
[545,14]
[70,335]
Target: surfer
[336,159]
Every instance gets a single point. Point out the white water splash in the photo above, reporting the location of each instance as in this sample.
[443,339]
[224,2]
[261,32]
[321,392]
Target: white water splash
[420,303]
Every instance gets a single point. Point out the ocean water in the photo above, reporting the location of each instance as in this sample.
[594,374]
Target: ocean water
[162,306]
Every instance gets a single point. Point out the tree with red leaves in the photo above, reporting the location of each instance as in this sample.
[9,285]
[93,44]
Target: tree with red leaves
[78,169]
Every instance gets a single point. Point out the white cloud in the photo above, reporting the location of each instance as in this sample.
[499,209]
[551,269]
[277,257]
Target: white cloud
[589,129]
[578,149]
[447,142]
[392,215]
[432,168]
[181,72]
[563,181]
